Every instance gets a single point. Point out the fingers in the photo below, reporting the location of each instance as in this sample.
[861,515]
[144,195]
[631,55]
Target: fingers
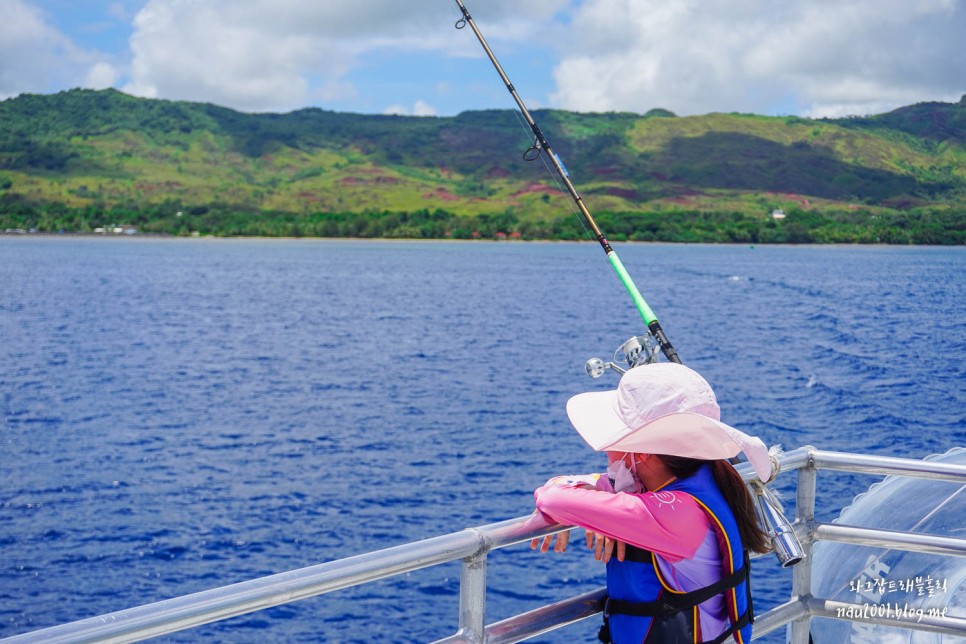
[605,547]
[562,540]
[608,549]
[544,545]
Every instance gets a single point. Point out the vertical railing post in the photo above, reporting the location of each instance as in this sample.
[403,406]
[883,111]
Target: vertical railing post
[472,626]
[802,573]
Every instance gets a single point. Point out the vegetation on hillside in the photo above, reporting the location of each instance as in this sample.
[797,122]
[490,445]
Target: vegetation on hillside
[81,160]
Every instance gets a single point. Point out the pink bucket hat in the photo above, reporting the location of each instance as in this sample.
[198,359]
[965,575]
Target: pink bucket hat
[663,408]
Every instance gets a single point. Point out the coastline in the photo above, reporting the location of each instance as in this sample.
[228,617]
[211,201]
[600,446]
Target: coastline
[420,240]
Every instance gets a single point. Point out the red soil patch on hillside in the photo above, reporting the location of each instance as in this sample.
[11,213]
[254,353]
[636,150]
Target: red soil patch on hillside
[441,194]
[534,188]
[369,181]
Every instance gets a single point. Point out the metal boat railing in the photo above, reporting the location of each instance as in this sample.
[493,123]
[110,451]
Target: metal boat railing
[473,544]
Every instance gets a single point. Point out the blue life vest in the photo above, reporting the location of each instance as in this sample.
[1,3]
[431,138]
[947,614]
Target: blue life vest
[642,607]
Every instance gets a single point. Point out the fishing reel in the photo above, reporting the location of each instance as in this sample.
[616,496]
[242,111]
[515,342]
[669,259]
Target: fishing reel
[634,352]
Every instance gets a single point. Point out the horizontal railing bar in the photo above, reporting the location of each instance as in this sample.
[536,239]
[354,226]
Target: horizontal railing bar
[787,461]
[574,609]
[547,618]
[188,611]
[796,459]
[846,462]
[541,620]
[819,607]
[779,616]
[913,541]
[171,615]
[514,531]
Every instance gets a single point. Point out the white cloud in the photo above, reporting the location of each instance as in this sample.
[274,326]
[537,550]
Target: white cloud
[101,76]
[29,49]
[36,57]
[195,51]
[810,57]
[284,54]
[419,108]
[817,57]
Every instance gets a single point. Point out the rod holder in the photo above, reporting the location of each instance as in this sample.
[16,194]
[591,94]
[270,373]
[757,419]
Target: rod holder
[784,540]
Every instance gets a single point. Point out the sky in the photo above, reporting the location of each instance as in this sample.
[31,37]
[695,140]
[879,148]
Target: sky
[811,58]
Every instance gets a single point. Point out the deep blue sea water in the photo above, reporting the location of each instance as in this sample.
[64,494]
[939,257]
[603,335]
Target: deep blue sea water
[183,414]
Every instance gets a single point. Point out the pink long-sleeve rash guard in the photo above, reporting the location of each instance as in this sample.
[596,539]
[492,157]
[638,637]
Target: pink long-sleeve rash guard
[670,524]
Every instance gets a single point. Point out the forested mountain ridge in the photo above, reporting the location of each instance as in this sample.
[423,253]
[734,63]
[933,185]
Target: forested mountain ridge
[82,159]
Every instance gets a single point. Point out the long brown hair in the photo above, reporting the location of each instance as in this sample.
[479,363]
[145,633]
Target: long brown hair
[735,493]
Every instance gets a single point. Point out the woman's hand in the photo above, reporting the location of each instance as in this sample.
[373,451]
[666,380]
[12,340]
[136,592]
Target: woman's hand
[563,538]
[604,546]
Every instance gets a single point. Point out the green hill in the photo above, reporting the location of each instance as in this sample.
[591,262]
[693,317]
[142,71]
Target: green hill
[84,159]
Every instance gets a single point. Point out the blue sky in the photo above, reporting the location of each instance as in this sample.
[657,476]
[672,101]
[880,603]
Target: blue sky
[804,57]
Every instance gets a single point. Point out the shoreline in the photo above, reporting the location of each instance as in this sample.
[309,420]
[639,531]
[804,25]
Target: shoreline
[391,240]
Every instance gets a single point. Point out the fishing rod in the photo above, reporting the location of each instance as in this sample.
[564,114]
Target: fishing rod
[770,515]
[542,146]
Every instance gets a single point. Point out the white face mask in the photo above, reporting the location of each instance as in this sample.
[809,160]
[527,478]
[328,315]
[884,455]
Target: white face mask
[625,479]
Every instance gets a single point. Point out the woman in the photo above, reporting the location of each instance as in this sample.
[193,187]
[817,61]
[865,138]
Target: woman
[671,496]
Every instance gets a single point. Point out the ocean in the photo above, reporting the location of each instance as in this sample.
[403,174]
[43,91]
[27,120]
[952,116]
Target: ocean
[182,414]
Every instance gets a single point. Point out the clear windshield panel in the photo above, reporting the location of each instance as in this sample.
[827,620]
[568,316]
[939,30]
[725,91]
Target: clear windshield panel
[894,583]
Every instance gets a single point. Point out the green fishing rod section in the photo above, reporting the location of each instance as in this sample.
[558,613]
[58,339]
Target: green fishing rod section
[542,146]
